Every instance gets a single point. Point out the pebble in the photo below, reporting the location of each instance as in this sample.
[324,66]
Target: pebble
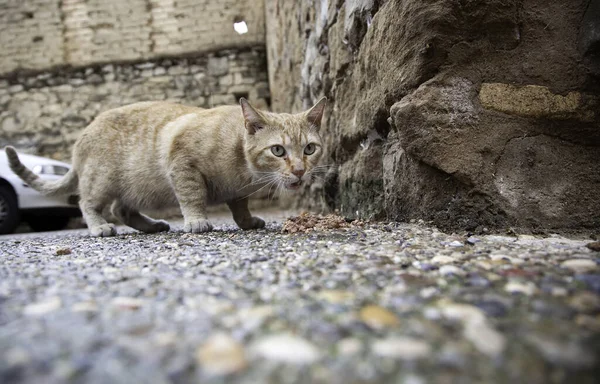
[286,348]
[254,317]
[485,338]
[559,291]
[592,281]
[130,303]
[221,355]
[442,259]
[526,288]
[473,240]
[85,306]
[43,307]
[588,321]
[377,317]
[165,339]
[403,348]
[585,302]
[63,251]
[512,260]
[16,356]
[476,328]
[451,270]
[349,346]
[336,296]
[569,355]
[594,246]
[580,265]
[478,281]
[493,308]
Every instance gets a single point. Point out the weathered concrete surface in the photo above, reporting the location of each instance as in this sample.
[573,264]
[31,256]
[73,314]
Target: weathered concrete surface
[382,303]
[471,114]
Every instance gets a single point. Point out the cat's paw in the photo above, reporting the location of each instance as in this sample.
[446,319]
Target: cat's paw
[104,230]
[252,223]
[197,226]
[158,226]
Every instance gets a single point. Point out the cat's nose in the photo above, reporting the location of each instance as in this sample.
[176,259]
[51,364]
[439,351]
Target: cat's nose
[298,173]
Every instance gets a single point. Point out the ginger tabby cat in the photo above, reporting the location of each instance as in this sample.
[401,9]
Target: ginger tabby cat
[154,155]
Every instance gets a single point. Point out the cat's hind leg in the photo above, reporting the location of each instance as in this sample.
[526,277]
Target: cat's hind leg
[92,214]
[136,220]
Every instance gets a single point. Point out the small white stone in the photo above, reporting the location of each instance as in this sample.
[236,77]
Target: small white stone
[349,346]
[451,270]
[462,312]
[485,338]
[43,307]
[428,292]
[405,348]
[441,259]
[431,313]
[165,339]
[254,317]
[85,306]
[580,265]
[286,348]
[221,355]
[476,328]
[127,302]
[559,291]
[527,288]
[456,243]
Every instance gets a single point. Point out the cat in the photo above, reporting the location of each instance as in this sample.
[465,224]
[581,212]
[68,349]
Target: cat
[154,155]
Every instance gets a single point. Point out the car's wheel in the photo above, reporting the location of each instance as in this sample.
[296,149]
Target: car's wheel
[48,223]
[9,210]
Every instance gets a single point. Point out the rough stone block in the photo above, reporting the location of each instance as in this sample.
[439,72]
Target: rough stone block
[469,114]
[534,101]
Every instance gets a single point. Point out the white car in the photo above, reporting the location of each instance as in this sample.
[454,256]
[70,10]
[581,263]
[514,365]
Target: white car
[19,202]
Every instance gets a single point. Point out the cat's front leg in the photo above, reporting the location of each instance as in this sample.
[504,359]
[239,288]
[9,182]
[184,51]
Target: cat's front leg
[242,216]
[190,189]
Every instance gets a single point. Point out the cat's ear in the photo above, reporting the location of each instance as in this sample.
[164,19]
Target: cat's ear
[315,114]
[253,119]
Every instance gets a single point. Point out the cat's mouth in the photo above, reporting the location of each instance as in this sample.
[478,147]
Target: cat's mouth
[295,185]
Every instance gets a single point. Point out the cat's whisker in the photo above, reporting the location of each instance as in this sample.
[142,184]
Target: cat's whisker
[258,190]
[280,189]
[265,179]
[276,183]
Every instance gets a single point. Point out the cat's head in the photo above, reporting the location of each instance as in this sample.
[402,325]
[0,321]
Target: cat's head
[283,148]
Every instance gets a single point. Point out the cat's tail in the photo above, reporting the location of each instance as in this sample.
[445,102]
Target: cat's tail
[64,186]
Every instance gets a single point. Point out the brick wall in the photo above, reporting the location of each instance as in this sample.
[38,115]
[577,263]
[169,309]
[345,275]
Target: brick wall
[39,34]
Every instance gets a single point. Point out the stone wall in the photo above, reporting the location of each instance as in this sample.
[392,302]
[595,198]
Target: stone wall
[471,114]
[64,61]
[43,113]
[40,34]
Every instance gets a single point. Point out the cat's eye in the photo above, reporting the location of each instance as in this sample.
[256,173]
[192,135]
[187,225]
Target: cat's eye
[278,150]
[310,149]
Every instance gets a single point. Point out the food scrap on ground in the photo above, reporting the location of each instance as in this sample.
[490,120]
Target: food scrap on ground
[307,222]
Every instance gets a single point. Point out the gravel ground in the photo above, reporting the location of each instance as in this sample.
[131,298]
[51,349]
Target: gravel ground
[400,303]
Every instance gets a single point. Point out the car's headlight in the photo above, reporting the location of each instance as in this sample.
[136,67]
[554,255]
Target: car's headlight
[57,170]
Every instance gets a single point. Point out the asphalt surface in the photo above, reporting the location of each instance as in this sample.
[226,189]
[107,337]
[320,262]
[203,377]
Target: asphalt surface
[383,302]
